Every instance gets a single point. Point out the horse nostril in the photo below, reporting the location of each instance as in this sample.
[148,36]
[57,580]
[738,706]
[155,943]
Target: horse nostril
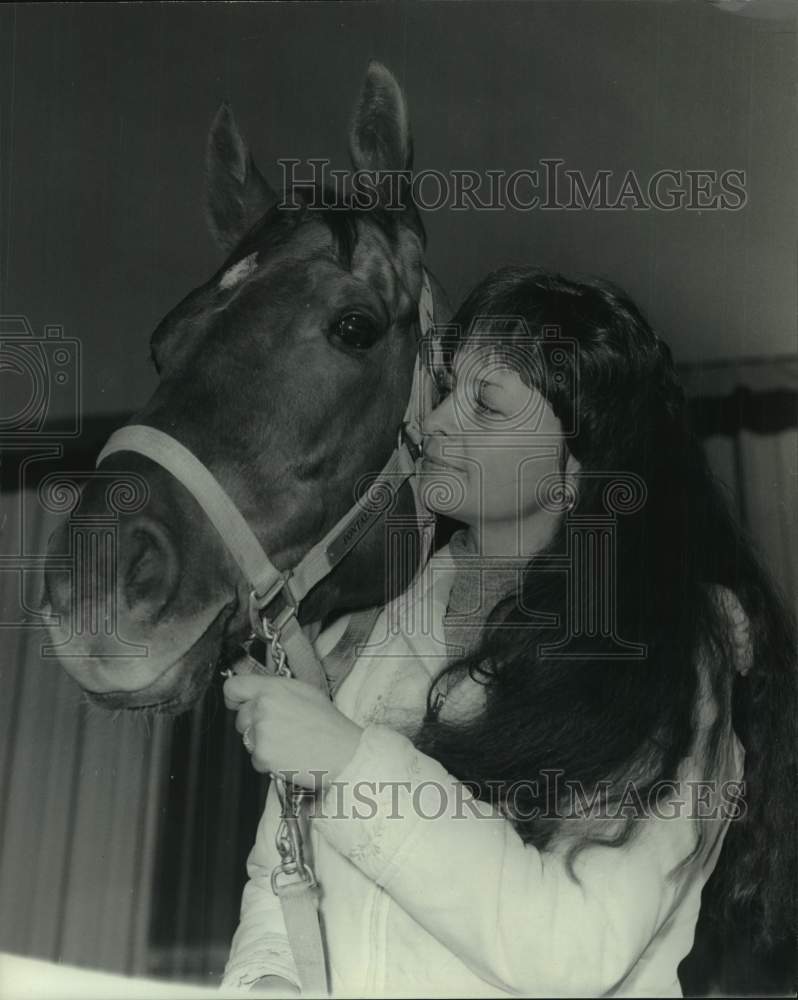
[148,569]
[143,565]
[57,579]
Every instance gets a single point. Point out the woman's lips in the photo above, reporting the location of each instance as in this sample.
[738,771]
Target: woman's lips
[437,463]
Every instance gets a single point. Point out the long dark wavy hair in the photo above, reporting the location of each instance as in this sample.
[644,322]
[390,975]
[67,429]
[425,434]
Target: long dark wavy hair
[603,721]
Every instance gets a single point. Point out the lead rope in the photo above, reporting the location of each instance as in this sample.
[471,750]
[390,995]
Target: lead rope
[293,880]
[288,838]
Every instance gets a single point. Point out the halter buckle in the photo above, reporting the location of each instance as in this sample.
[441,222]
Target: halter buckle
[262,601]
[259,605]
[287,874]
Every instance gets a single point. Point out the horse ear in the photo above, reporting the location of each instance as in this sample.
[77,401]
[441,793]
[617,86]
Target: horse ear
[237,194]
[379,137]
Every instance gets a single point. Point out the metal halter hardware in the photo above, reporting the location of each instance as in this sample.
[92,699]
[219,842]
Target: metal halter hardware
[271,631]
[288,839]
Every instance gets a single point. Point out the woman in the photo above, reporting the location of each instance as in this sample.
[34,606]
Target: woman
[529,795]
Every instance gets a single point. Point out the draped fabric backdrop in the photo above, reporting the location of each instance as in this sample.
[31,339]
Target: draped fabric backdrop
[747,414]
[124,839]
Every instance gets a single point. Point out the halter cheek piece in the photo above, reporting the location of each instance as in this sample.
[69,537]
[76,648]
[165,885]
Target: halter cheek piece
[274,600]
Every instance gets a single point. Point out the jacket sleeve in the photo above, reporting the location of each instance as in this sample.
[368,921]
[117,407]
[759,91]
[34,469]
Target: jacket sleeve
[260,944]
[509,911]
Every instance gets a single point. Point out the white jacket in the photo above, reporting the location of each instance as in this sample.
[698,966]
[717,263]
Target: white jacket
[458,905]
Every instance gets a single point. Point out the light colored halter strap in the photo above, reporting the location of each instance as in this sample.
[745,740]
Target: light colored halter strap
[200,482]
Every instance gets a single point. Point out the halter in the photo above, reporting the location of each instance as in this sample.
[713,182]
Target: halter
[275,596]
[274,600]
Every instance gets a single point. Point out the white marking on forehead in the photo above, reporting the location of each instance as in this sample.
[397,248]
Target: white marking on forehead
[236,274]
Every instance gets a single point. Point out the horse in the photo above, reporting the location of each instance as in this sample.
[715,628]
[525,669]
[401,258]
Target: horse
[287,375]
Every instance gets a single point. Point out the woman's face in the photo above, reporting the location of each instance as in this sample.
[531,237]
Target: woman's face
[489,445]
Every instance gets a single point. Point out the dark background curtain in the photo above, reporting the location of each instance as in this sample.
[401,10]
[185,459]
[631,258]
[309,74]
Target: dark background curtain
[745,412]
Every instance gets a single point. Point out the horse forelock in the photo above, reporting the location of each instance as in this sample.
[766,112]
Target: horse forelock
[343,220]
[383,246]
[377,246]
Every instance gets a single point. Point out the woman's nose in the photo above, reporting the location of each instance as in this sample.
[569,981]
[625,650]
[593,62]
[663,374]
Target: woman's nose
[441,420]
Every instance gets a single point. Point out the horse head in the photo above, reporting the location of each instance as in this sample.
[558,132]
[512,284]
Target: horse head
[287,374]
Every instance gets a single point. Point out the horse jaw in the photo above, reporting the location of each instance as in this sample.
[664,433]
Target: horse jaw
[147,669]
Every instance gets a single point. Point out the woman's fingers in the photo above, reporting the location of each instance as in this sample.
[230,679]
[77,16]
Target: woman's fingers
[290,726]
[250,697]
[238,690]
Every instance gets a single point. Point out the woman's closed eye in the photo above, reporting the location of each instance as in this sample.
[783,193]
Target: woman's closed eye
[484,398]
[482,407]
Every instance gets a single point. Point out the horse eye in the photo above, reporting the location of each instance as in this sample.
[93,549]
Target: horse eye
[356,330]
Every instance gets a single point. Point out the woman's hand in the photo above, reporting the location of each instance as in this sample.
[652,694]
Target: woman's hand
[294,728]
